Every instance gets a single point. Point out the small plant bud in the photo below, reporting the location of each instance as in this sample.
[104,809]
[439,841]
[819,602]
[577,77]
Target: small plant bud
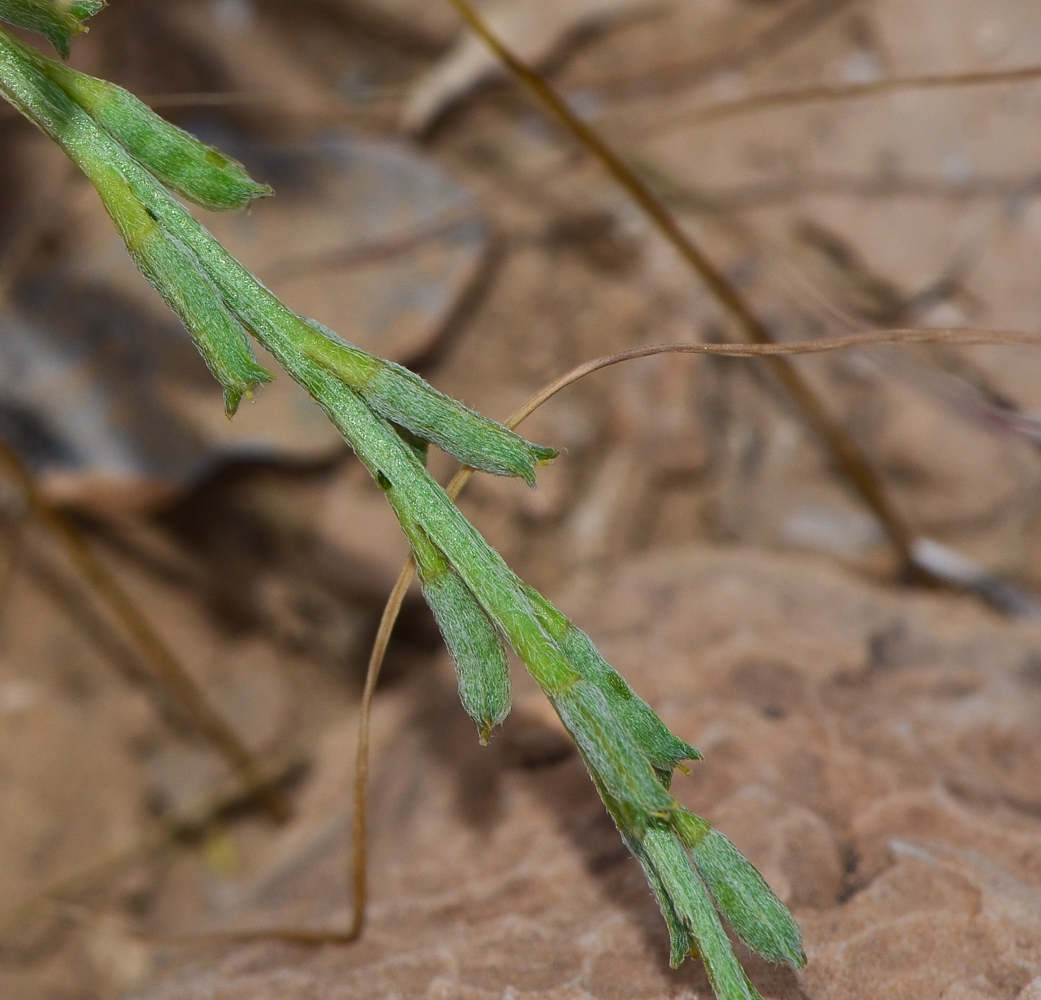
[692,905]
[612,755]
[477,648]
[199,172]
[664,750]
[57,20]
[744,899]
[403,398]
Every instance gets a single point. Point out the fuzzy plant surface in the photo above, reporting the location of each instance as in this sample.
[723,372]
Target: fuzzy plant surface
[388,415]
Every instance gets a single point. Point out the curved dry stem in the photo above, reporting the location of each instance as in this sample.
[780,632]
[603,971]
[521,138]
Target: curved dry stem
[360,797]
[844,450]
[359,849]
[358,875]
[359,878]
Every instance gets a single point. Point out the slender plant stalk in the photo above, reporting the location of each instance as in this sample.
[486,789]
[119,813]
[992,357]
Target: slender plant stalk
[845,451]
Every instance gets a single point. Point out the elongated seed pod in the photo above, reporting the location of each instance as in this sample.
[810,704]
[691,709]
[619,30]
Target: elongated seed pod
[662,748]
[477,649]
[176,275]
[199,172]
[693,905]
[57,20]
[681,944]
[220,338]
[403,398]
[741,894]
[611,754]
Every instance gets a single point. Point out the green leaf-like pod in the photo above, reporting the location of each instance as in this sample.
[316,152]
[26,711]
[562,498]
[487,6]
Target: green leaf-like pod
[663,749]
[403,398]
[612,755]
[693,906]
[57,20]
[744,899]
[199,172]
[220,338]
[170,266]
[681,944]
[477,648]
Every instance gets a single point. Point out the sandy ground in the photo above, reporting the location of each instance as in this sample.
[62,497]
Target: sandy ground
[873,747]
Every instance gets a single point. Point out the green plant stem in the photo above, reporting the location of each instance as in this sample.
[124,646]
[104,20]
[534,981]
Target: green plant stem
[138,204]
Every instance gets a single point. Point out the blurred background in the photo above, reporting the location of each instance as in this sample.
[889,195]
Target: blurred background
[428,210]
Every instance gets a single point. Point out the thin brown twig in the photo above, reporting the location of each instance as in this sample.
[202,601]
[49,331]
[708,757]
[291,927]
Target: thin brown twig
[841,92]
[168,669]
[190,823]
[843,448]
[791,25]
[359,826]
[330,108]
[784,189]
[221,98]
[15,540]
[368,252]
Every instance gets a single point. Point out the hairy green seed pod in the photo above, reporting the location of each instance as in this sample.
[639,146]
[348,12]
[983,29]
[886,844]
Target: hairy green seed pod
[220,338]
[403,398]
[662,748]
[477,649]
[171,267]
[199,172]
[681,944]
[57,20]
[618,765]
[747,903]
[693,906]
[176,275]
